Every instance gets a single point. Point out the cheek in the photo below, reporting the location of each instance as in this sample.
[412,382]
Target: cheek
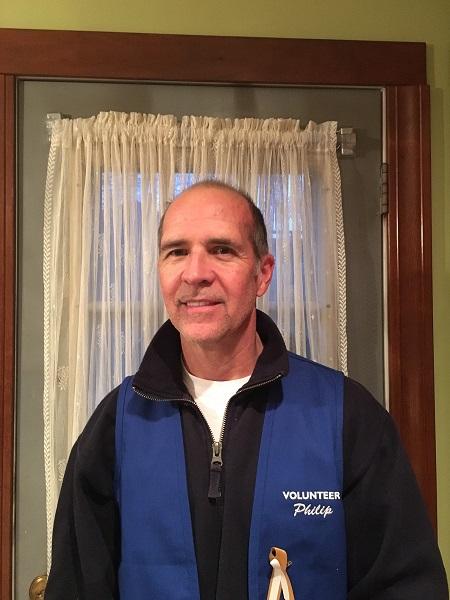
[244,288]
[167,284]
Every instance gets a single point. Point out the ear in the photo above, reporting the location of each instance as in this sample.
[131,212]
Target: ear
[265,272]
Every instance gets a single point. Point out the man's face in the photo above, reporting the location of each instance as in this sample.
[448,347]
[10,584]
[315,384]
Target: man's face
[208,270]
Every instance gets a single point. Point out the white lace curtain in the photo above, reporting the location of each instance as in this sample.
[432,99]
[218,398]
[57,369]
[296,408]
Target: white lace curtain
[109,178]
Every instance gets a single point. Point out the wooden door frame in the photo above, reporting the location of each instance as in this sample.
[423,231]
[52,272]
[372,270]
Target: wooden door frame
[399,67]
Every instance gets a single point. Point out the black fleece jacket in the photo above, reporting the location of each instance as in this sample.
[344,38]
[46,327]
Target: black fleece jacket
[391,548]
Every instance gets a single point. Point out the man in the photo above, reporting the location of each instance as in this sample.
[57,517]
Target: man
[224,445]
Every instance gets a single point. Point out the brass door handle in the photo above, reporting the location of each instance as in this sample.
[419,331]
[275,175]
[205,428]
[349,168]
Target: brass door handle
[37,587]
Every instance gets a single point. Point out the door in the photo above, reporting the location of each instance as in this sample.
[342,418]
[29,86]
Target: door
[358,108]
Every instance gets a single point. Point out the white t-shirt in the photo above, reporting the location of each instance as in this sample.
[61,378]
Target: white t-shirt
[212,397]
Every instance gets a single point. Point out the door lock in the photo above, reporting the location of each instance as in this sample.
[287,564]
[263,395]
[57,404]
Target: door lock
[37,587]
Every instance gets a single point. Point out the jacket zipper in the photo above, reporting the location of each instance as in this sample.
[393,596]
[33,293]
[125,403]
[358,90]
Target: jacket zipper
[215,469]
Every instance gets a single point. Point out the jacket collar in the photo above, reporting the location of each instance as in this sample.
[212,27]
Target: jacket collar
[160,375]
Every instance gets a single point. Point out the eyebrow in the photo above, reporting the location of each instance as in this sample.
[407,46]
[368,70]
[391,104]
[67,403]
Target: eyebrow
[172,244]
[219,241]
[223,242]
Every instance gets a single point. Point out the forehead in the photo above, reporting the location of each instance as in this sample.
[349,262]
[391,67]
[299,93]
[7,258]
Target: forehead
[207,208]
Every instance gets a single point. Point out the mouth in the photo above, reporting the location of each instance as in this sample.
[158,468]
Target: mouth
[199,303]
[198,307]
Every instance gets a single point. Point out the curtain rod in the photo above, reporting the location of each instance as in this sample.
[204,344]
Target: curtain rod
[345,136]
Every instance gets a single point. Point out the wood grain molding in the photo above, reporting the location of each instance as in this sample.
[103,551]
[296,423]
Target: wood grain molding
[7,323]
[210,58]
[398,66]
[410,319]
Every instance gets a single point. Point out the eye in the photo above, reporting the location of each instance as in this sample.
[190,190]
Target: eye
[222,250]
[176,252]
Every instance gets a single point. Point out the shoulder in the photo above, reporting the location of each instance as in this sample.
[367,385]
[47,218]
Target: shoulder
[97,439]
[390,543]
[104,415]
[92,458]
[369,431]
[299,366]
[363,415]
[296,360]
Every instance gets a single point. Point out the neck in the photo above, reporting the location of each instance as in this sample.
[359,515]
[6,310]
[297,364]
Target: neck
[221,363]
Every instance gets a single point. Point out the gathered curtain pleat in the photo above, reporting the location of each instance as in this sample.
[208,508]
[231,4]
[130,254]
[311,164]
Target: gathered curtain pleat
[109,179]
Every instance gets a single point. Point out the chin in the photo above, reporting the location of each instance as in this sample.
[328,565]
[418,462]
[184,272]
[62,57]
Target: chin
[201,337]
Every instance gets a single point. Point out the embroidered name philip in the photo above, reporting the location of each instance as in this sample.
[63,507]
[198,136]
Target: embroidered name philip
[309,509]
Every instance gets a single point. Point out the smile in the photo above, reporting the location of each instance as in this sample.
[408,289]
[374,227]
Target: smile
[199,303]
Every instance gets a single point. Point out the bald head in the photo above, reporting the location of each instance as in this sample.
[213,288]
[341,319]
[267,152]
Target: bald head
[257,228]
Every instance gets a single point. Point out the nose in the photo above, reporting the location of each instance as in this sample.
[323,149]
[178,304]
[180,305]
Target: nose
[197,268]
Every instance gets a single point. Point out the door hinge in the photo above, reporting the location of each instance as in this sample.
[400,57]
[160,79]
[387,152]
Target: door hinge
[384,199]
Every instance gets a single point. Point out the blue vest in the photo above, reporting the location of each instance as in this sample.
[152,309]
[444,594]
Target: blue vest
[297,501]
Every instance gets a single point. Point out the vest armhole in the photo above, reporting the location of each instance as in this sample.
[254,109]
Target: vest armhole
[339,450]
[124,392]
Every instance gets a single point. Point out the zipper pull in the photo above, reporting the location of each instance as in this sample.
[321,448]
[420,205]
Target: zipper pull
[215,471]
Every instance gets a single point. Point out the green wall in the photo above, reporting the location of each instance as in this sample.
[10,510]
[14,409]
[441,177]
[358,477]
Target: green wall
[403,20]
